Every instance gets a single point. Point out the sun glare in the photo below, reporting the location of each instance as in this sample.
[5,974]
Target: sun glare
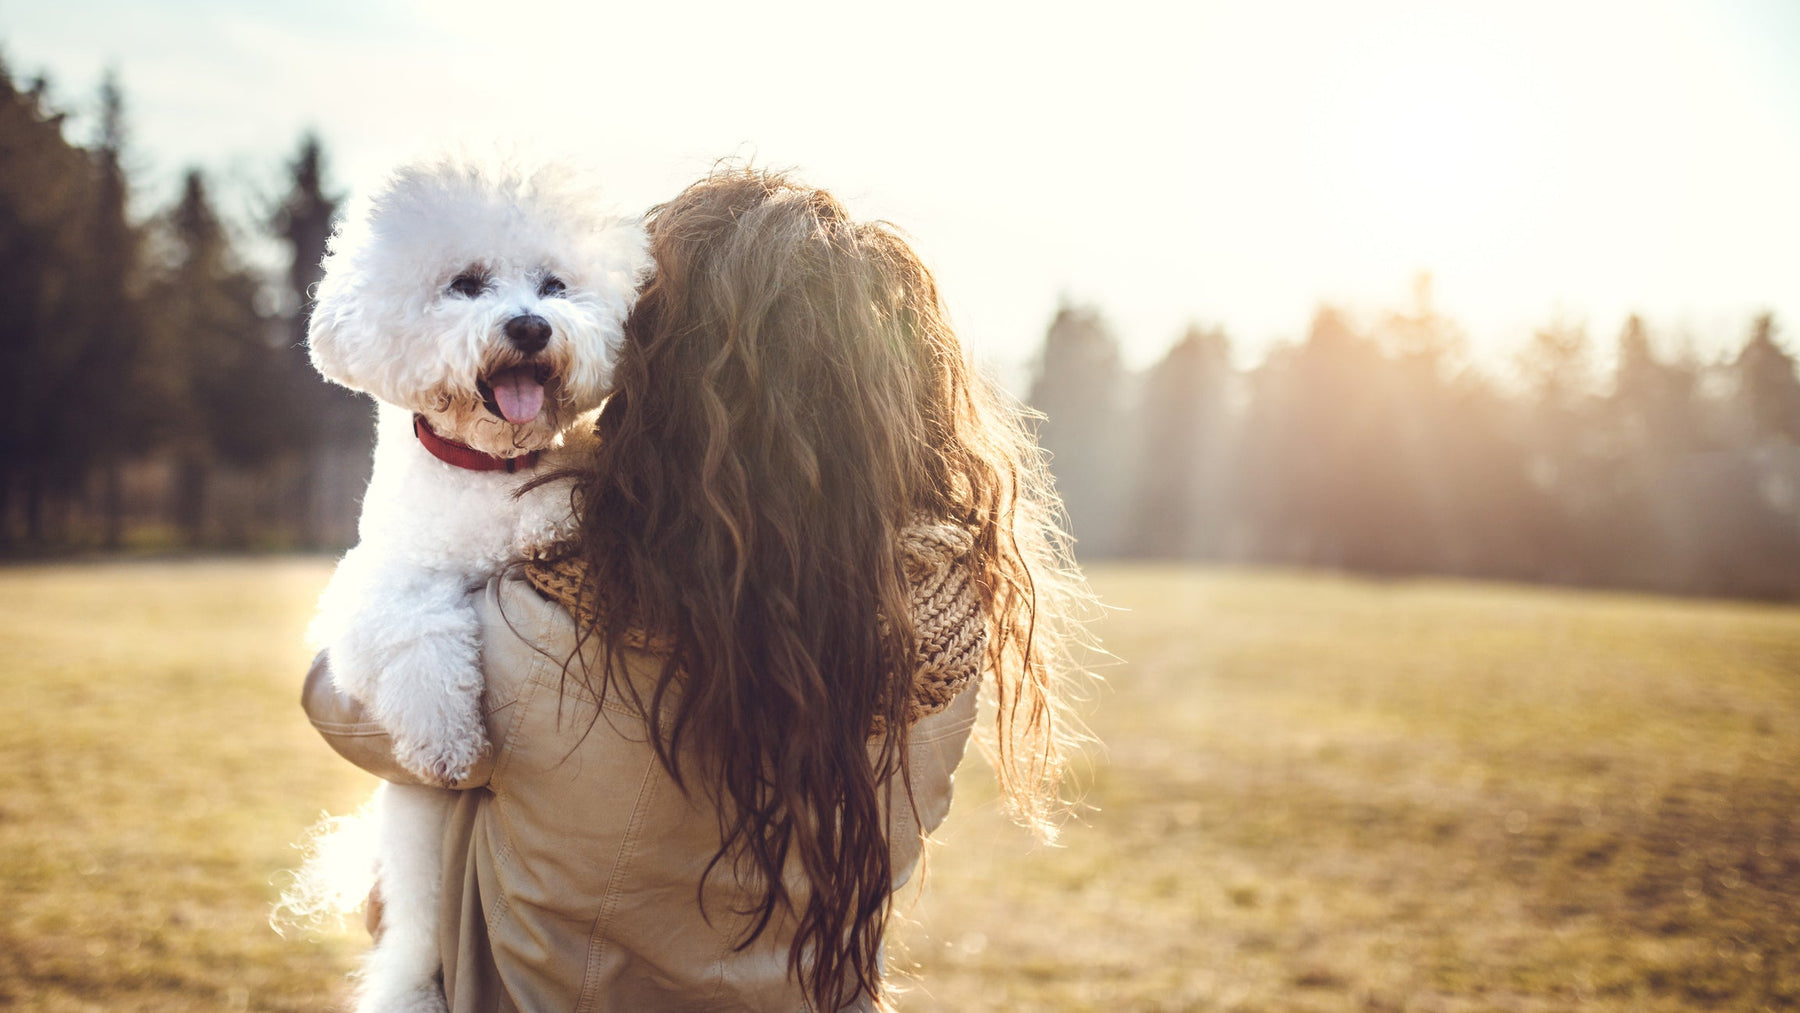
[1426,163]
[1429,154]
[1236,163]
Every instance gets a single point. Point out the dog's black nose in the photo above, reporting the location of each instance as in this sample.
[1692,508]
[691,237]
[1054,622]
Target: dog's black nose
[529,333]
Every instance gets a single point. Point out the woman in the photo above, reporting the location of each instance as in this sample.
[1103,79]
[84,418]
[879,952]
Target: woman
[724,718]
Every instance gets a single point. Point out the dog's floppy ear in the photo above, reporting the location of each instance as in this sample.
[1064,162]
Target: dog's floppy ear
[330,331]
[336,331]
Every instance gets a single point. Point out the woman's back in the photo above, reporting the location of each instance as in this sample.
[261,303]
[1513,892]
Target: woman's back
[576,861]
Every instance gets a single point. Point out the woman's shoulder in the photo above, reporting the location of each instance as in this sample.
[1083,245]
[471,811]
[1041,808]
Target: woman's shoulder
[510,600]
[563,577]
[522,631]
[537,625]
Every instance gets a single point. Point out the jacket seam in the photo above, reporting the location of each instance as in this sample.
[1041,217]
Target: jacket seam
[720,972]
[508,844]
[609,901]
[527,693]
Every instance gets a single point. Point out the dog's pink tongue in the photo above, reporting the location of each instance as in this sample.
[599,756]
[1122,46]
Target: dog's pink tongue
[519,395]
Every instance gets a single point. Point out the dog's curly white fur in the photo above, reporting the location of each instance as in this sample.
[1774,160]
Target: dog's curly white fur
[489,302]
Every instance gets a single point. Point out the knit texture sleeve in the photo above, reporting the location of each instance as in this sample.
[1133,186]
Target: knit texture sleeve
[948,621]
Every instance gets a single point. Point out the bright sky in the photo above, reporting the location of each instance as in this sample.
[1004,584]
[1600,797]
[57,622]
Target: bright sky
[1227,162]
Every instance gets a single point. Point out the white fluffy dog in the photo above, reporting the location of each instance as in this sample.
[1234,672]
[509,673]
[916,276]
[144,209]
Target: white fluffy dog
[482,307]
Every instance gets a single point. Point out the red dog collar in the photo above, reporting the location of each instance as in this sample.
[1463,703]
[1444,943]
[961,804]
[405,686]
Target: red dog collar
[462,455]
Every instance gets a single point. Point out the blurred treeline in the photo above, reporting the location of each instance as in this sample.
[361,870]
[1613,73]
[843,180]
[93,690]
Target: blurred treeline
[1378,447]
[158,394]
[156,387]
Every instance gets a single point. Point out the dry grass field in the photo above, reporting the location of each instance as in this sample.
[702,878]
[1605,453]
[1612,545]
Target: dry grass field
[1315,794]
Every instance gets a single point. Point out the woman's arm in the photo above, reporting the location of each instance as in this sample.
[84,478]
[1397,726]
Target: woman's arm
[935,747]
[348,729]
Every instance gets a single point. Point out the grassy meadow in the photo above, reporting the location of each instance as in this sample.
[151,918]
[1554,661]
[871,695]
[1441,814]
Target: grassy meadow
[1315,793]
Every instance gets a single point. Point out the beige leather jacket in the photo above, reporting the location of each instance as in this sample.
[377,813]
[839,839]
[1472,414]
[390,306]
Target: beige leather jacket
[573,862]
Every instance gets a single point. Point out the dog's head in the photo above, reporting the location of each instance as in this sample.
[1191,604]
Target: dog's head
[491,300]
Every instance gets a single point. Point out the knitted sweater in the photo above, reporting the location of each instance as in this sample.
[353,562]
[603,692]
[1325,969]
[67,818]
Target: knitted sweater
[949,625]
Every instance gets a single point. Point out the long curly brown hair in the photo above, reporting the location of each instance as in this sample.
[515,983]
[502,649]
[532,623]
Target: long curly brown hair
[790,395]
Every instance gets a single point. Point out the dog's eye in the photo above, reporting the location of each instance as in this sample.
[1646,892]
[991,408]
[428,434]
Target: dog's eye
[469,285]
[552,286]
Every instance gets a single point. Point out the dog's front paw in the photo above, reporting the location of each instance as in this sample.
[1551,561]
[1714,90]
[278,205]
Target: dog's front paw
[429,700]
[443,763]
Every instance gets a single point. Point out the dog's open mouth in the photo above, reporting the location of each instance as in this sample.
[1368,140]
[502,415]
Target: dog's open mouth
[515,394]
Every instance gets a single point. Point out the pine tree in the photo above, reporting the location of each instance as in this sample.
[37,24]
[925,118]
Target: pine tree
[1556,418]
[116,422]
[1656,519]
[304,221]
[1767,385]
[1317,453]
[1080,390]
[215,355]
[1653,400]
[332,422]
[1179,498]
[47,204]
